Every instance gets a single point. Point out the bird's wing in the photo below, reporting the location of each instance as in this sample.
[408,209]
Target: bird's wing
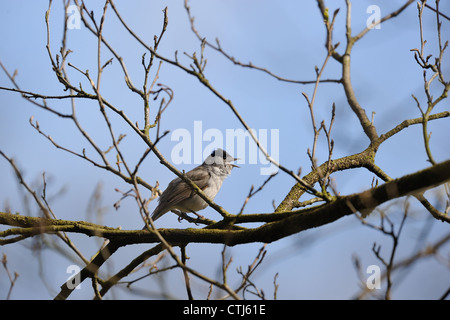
[178,190]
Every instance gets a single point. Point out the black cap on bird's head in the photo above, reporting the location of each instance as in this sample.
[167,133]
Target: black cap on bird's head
[220,157]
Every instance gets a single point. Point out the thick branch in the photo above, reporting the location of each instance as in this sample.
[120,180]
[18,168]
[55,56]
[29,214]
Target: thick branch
[315,217]
[284,224]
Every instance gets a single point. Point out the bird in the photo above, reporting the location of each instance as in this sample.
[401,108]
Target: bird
[208,176]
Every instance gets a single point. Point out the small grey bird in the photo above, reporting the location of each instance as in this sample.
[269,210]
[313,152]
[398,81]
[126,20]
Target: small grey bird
[208,176]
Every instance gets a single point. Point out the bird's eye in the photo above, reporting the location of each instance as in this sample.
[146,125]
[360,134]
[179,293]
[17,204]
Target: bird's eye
[213,154]
[224,156]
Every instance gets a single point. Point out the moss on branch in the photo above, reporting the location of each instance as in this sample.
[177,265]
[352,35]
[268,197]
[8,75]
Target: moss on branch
[275,226]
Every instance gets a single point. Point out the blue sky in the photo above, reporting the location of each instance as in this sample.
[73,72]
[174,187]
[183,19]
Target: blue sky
[285,37]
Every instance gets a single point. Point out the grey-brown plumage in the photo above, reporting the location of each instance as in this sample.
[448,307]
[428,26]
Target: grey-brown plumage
[209,177]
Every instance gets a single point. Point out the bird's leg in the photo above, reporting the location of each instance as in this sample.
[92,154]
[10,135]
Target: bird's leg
[199,216]
[181,215]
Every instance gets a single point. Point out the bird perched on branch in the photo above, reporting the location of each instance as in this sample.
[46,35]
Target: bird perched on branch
[208,176]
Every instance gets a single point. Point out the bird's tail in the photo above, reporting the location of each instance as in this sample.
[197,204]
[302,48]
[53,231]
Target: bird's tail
[158,212]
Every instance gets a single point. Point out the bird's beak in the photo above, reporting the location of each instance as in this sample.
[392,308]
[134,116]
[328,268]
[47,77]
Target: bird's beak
[235,165]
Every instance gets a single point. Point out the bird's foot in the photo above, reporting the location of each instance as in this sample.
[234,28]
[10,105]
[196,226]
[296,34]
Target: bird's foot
[184,216]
